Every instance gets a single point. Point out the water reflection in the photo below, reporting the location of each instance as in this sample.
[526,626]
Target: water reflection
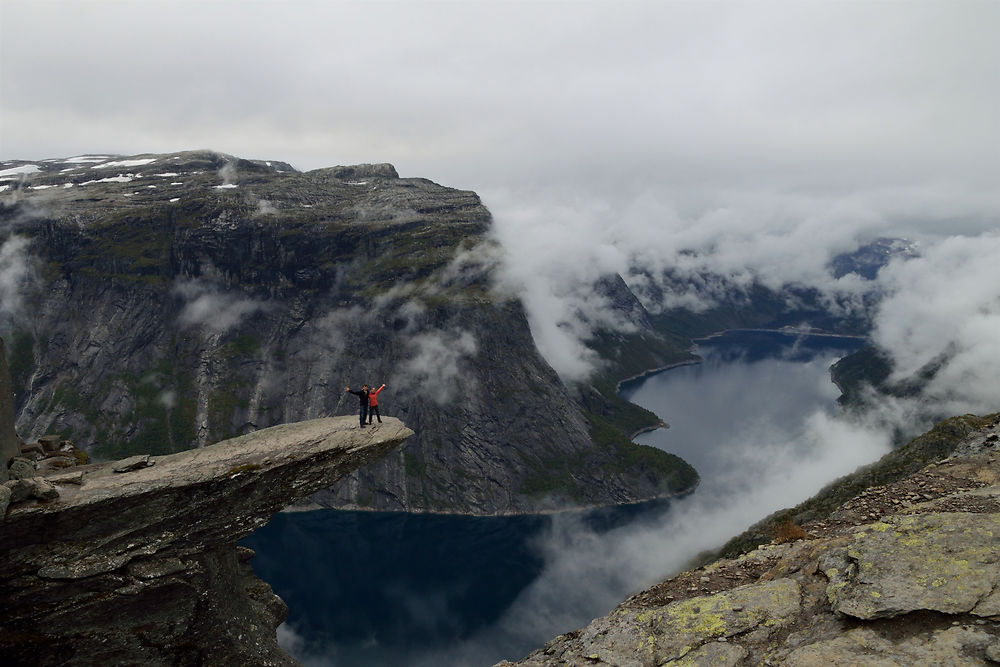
[753,387]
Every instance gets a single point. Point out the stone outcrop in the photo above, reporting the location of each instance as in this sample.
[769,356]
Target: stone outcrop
[140,565]
[893,577]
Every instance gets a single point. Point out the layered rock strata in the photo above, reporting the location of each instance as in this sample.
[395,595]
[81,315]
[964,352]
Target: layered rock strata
[138,563]
[893,577]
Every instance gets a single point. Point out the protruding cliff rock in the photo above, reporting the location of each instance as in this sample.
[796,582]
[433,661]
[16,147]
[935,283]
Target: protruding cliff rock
[138,564]
[905,573]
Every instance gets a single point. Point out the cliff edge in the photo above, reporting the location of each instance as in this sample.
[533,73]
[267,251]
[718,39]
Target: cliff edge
[136,562]
[906,572]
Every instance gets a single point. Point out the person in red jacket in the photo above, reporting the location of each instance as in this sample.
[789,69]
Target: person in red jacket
[373,404]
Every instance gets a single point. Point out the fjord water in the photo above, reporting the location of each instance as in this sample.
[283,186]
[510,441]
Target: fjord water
[369,588]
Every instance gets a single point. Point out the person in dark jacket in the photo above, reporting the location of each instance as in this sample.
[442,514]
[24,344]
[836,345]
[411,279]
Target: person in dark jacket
[373,404]
[363,395]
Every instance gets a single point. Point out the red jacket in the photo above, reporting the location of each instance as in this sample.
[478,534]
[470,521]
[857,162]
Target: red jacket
[373,395]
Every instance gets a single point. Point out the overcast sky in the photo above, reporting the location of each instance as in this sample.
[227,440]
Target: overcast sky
[814,95]
[603,135]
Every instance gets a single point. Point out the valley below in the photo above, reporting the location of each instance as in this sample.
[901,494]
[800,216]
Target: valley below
[158,306]
[436,589]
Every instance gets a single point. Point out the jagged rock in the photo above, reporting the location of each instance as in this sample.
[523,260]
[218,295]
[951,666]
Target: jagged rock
[20,489]
[659,635]
[21,468]
[32,448]
[50,443]
[159,567]
[941,562]
[30,487]
[133,463]
[43,489]
[958,646]
[5,497]
[143,569]
[75,477]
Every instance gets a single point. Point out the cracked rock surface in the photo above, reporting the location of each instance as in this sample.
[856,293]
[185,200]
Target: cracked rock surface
[142,567]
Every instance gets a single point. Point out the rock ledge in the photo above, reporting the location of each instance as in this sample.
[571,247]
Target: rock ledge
[142,567]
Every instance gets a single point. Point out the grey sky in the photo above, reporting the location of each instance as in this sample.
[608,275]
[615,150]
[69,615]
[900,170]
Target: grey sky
[816,95]
[603,135]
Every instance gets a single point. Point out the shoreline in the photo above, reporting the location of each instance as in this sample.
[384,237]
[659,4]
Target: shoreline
[647,429]
[315,507]
[660,369]
[819,333]
[717,334]
[787,331]
[312,507]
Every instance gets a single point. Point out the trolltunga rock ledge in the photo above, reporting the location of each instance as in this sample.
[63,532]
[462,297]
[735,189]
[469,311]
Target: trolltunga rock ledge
[142,567]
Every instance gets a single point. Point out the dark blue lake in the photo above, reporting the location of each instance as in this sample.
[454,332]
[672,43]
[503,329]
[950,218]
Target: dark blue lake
[758,419]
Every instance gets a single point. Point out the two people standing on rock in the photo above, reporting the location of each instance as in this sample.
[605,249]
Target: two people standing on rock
[368,403]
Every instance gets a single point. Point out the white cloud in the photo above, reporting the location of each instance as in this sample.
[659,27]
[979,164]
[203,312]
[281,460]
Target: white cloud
[434,365]
[946,304]
[15,270]
[212,308]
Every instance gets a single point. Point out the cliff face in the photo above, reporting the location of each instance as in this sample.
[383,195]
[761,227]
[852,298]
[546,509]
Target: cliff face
[140,565]
[181,299]
[905,572]
[9,445]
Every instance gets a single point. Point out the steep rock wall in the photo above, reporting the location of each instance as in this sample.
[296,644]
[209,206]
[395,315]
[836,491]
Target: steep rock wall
[9,445]
[186,302]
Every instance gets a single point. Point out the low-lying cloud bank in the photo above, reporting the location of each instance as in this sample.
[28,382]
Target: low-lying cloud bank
[945,306]
[672,253]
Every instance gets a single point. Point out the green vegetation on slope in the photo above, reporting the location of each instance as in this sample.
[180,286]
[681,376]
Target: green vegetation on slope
[936,444]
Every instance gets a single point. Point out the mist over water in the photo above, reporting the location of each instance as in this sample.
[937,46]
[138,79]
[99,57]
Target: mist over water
[759,421]
[752,392]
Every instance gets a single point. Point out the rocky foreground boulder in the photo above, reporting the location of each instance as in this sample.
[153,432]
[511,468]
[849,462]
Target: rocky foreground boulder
[906,573]
[137,563]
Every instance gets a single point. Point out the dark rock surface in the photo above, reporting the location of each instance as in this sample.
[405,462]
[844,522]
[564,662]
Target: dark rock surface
[9,445]
[181,299]
[142,567]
